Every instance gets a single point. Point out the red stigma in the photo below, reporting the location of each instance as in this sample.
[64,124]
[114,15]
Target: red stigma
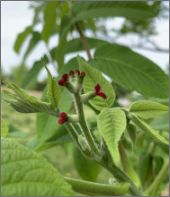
[99,92]
[97,88]
[102,94]
[61,82]
[62,118]
[65,77]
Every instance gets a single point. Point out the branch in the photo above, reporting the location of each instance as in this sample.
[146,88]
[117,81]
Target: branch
[84,40]
[98,189]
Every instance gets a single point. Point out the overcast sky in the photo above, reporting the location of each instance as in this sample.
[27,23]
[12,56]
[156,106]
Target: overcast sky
[16,16]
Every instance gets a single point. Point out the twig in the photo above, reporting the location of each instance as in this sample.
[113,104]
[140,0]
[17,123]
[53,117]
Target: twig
[84,40]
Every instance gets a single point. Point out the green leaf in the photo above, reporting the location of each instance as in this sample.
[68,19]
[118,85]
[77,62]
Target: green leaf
[48,129]
[66,101]
[111,124]
[131,70]
[75,45]
[46,125]
[161,122]
[25,103]
[70,65]
[36,37]
[50,14]
[153,134]
[130,10]
[30,79]
[148,109]
[87,169]
[53,90]
[92,78]
[21,38]
[63,40]
[53,143]
[25,173]
[4,128]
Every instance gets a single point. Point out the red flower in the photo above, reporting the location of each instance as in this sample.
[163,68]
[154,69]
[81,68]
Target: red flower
[99,92]
[61,82]
[65,77]
[97,88]
[102,94]
[62,118]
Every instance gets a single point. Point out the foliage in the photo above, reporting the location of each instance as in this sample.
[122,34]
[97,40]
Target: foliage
[99,134]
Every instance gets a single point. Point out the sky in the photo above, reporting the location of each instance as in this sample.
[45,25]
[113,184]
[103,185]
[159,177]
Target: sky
[13,21]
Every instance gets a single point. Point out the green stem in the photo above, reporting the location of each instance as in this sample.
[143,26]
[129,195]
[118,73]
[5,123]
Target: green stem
[120,175]
[72,132]
[127,166]
[83,124]
[158,180]
[74,135]
[98,189]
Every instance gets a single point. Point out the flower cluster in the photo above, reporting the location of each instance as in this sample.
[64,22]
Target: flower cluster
[65,77]
[64,81]
[99,92]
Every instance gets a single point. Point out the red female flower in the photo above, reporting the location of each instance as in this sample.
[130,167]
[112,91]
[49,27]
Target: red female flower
[99,92]
[97,88]
[62,118]
[63,80]
[65,77]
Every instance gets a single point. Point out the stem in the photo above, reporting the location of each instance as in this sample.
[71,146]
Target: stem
[84,40]
[74,135]
[98,189]
[158,180]
[124,177]
[83,124]
[121,176]
[72,132]
[127,166]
